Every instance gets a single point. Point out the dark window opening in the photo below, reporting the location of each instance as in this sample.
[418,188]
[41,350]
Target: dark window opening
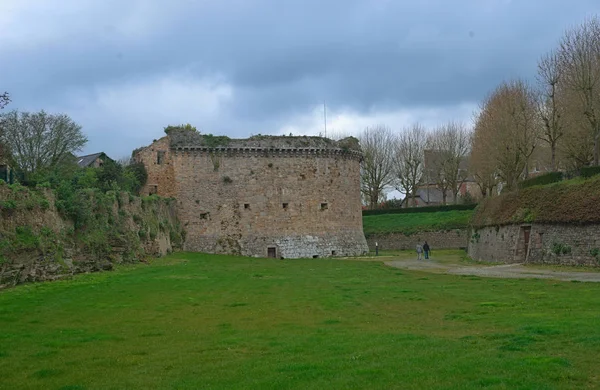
[160,157]
[272,252]
[333,253]
[324,206]
[246,206]
[315,256]
[285,206]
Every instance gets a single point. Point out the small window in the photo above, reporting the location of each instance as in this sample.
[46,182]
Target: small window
[247,206]
[315,256]
[324,206]
[160,157]
[333,253]
[272,252]
[285,206]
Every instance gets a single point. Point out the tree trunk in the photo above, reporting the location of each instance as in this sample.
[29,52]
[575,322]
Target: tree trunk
[596,146]
[553,150]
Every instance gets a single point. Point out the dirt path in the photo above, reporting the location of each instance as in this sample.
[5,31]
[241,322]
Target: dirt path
[494,271]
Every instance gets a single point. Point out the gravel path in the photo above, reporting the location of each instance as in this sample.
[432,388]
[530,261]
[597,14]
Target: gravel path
[494,271]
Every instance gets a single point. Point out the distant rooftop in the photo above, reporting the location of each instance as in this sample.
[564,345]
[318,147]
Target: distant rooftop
[86,161]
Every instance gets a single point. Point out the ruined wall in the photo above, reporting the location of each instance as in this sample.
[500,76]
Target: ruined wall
[161,176]
[564,244]
[38,243]
[450,239]
[298,201]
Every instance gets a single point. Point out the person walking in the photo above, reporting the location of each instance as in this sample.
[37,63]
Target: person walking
[419,251]
[426,250]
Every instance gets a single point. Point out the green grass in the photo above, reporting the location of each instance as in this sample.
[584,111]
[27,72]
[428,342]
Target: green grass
[411,223]
[193,321]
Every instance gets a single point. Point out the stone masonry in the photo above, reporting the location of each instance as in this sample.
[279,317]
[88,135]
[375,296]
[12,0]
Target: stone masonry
[284,197]
[537,243]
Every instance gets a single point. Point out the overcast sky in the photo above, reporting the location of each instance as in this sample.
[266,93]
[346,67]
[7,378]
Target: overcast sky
[125,69]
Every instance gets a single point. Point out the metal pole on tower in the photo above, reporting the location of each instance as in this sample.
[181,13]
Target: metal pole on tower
[325,117]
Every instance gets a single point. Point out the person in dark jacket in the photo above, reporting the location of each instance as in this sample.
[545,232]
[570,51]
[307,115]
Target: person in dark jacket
[426,249]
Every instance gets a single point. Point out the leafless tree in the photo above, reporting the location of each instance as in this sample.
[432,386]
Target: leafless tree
[450,144]
[409,147]
[377,166]
[507,131]
[40,140]
[482,164]
[579,56]
[549,77]
[576,149]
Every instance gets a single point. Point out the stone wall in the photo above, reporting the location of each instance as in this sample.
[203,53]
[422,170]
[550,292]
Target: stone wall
[282,201]
[161,176]
[564,244]
[451,239]
[37,243]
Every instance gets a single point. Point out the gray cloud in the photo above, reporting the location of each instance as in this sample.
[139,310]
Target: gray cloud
[110,65]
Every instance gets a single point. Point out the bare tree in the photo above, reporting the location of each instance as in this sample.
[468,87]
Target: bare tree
[40,140]
[579,55]
[508,130]
[549,76]
[376,171]
[482,163]
[450,144]
[409,147]
[576,149]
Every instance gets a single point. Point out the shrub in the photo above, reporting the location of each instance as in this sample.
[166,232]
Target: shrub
[427,209]
[546,178]
[8,204]
[560,249]
[590,171]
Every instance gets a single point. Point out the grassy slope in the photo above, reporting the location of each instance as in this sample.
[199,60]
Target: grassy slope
[414,222]
[199,321]
[570,201]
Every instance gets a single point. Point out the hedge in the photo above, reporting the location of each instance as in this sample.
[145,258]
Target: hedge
[590,171]
[427,209]
[546,178]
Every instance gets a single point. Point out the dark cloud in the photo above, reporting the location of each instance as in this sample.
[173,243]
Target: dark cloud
[280,58]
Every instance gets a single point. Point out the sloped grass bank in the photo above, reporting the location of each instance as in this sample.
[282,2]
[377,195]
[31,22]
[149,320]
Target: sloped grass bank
[192,321]
[411,223]
[572,201]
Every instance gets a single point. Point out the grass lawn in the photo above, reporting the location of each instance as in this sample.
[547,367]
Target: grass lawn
[410,223]
[193,321]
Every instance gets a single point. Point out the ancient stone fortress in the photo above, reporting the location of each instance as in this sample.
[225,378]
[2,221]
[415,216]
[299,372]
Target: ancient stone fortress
[268,196]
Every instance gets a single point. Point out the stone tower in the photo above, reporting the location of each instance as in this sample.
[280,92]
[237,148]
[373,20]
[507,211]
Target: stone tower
[268,196]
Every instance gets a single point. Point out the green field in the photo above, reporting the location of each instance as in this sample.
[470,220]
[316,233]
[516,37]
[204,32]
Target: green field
[203,321]
[410,223]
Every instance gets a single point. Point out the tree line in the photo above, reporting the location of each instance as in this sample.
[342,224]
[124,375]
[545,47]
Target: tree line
[42,147]
[553,121]
[396,161]
[547,125]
